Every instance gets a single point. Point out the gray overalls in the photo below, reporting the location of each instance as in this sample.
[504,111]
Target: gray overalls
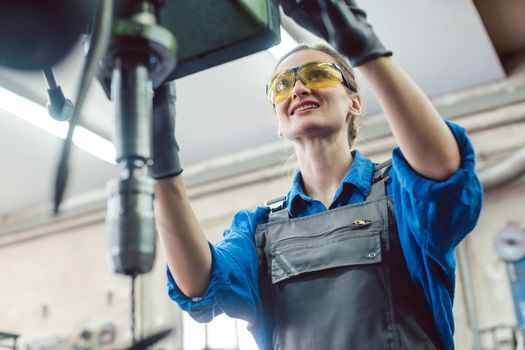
[338,279]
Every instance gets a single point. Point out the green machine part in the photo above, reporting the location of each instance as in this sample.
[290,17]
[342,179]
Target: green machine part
[212,32]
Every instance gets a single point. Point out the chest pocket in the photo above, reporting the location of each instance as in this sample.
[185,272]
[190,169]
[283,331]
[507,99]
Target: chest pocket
[347,246]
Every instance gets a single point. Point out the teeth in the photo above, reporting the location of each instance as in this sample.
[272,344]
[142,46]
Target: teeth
[308,106]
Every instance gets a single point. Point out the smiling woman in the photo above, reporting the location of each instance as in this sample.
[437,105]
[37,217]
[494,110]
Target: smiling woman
[357,255]
[316,80]
[323,75]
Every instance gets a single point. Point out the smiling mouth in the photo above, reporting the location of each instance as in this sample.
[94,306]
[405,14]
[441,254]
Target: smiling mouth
[306,107]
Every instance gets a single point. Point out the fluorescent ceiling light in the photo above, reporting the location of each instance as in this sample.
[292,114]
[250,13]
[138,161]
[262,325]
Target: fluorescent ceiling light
[287,44]
[37,115]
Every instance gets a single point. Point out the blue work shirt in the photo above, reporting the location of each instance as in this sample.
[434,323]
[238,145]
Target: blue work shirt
[432,218]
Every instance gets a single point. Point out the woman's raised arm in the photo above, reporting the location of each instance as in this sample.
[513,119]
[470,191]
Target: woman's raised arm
[424,138]
[427,143]
[186,248]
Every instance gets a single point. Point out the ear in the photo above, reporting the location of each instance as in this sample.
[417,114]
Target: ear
[355,105]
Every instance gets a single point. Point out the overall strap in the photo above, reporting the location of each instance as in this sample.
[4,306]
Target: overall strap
[379,180]
[277,209]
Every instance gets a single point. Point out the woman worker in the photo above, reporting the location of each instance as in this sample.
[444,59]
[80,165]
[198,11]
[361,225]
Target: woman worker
[357,255]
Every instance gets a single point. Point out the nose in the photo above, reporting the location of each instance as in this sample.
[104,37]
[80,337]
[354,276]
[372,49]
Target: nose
[299,89]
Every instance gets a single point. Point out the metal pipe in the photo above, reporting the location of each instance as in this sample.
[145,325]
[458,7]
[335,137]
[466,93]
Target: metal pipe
[132,92]
[509,169]
[130,219]
[50,77]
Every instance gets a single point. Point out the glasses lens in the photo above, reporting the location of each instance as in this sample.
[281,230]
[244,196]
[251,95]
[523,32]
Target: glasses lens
[315,75]
[280,87]
[320,75]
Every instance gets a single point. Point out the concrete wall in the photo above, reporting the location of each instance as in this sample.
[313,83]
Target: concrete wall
[56,286]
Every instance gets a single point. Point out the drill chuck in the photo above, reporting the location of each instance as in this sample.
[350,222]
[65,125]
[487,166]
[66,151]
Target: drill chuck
[131,224]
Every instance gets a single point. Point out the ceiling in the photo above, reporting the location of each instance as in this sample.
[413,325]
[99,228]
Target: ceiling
[504,23]
[443,45]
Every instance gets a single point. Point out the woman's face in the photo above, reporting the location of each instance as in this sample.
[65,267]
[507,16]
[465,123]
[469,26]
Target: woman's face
[310,113]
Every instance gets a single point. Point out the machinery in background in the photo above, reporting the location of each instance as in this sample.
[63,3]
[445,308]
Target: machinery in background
[509,244]
[152,43]
[133,47]
[8,338]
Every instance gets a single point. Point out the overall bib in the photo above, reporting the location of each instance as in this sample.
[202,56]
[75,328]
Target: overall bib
[338,279]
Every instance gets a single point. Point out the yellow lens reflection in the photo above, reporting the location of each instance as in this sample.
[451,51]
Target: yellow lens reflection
[315,75]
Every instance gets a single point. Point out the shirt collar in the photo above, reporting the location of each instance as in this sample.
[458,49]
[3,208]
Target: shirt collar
[359,175]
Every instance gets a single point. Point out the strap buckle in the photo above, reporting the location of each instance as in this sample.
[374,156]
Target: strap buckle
[381,171]
[275,204]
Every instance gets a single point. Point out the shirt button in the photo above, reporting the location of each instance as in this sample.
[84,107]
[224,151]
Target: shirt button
[371,255]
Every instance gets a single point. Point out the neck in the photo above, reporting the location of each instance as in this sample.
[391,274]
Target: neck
[323,164]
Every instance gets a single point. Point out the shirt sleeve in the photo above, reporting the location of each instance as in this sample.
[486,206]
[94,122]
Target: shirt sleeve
[233,287]
[438,214]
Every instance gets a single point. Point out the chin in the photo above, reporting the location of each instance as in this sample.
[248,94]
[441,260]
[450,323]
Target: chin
[308,132]
[311,125]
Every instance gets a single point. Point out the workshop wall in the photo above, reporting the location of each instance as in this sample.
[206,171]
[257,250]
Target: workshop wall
[59,285]
[492,293]
[56,285]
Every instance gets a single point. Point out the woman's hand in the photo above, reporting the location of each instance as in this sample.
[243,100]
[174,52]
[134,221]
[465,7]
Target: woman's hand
[166,161]
[340,22]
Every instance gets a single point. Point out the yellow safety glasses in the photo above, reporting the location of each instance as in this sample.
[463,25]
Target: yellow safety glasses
[314,75]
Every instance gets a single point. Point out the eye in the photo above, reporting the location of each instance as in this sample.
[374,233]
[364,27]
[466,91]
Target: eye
[317,74]
[282,84]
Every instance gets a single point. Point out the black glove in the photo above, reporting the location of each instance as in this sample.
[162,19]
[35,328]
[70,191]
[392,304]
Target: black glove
[340,22]
[166,161]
